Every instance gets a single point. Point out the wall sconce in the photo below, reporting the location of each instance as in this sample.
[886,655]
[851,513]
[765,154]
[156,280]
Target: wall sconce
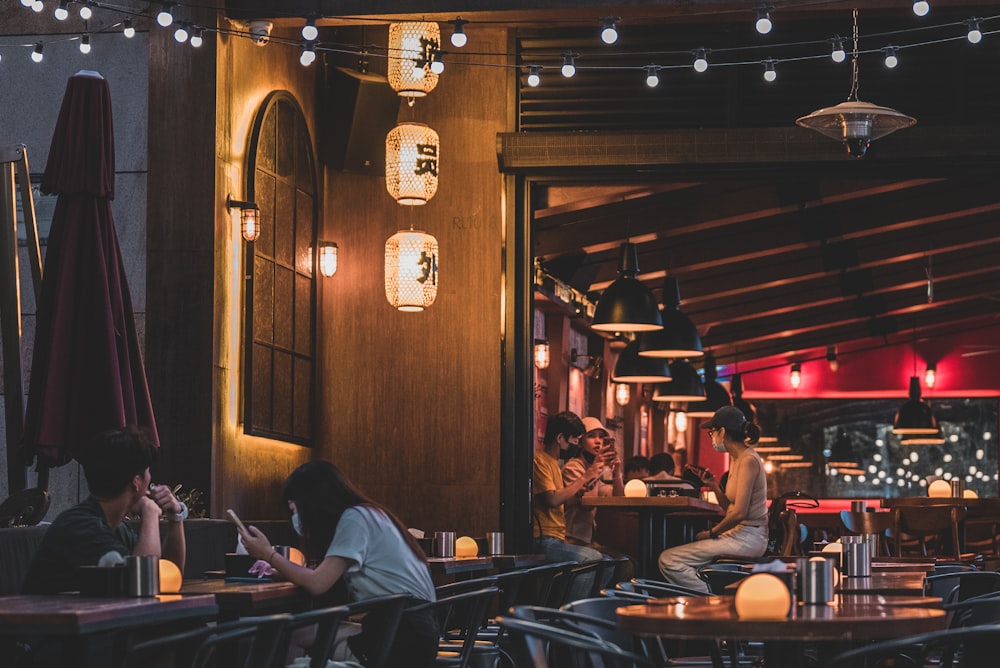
[411,163]
[541,353]
[622,394]
[249,218]
[411,269]
[593,366]
[327,258]
[831,357]
[930,375]
[681,421]
[411,46]
[795,376]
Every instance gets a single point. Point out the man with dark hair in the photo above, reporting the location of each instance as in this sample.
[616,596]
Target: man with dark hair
[636,467]
[562,434]
[93,532]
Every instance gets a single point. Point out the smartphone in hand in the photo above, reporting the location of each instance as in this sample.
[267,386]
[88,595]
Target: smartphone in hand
[236,520]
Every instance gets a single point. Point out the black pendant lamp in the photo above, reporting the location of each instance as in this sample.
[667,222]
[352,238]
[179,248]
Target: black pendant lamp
[915,415]
[736,387]
[716,395]
[630,368]
[627,305]
[679,337]
[685,385]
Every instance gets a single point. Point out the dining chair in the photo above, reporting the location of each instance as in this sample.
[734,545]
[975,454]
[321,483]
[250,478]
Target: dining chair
[460,617]
[928,522]
[576,580]
[539,643]
[253,642]
[972,647]
[879,523]
[719,576]
[657,589]
[953,587]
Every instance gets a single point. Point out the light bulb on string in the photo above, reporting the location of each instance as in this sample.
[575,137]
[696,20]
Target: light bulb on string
[763,23]
[837,53]
[609,33]
[921,7]
[700,60]
[534,76]
[891,57]
[652,78]
[309,31]
[86,13]
[458,36]
[27,3]
[569,65]
[770,74]
[128,30]
[196,38]
[166,16]
[85,44]
[181,34]
[437,62]
[308,56]
[37,6]
[974,35]
[61,13]
[37,55]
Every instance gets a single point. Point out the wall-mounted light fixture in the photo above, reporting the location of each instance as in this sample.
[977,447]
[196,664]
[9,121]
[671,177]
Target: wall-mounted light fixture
[930,375]
[542,353]
[622,394]
[411,269]
[249,218]
[795,376]
[831,357]
[328,258]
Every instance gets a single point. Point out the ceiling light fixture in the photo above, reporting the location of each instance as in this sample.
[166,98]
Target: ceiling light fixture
[685,384]
[678,337]
[915,415]
[716,395]
[630,368]
[853,122]
[627,305]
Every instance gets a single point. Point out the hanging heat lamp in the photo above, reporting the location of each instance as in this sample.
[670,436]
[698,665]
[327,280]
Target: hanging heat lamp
[412,46]
[679,337]
[915,415]
[627,305]
[716,395]
[853,122]
[411,163]
[411,269]
[630,368]
[685,385]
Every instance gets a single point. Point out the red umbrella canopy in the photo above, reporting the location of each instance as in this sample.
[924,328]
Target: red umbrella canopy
[87,374]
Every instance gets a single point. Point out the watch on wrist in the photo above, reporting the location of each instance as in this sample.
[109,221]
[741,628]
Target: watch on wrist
[180,515]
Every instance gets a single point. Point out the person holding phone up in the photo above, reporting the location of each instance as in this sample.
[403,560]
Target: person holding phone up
[595,444]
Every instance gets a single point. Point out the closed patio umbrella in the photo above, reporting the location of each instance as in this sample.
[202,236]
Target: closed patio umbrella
[87,374]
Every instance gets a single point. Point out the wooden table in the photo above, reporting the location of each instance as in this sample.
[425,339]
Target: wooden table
[664,521]
[906,583]
[459,565]
[836,627]
[90,629]
[241,599]
[513,562]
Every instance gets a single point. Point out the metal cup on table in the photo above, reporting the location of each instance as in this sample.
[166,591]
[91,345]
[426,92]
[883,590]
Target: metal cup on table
[444,543]
[494,541]
[142,576]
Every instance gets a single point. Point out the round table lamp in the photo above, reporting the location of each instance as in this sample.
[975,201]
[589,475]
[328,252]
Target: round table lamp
[296,557]
[763,596]
[970,494]
[635,488]
[466,547]
[170,577]
[939,489]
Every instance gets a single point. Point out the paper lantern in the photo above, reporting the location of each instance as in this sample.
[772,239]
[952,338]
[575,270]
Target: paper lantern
[411,163]
[939,489]
[170,577]
[466,547]
[635,488]
[411,269]
[412,46]
[296,557]
[763,596]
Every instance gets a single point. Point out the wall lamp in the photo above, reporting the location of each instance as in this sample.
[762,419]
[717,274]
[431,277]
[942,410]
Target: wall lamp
[327,258]
[249,217]
[930,375]
[542,353]
[795,376]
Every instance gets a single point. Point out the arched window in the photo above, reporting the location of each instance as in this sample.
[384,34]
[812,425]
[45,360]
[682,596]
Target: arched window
[280,281]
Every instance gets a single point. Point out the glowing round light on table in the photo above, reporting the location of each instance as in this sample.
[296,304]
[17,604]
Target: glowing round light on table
[763,596]
[635,489]
[939,489]
[296,557]
[466,547]
[170,577]
[970,494]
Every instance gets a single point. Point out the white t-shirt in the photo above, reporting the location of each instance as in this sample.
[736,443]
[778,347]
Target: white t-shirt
[383,564]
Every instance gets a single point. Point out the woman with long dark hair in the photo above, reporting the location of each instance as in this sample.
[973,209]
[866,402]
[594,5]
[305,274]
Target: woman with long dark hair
[345,534]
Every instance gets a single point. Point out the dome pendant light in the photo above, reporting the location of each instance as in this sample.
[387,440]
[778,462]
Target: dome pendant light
[630,368]
[679,337]
[716,395]
[627,305]
[685,385]
[853,122]
[915,415]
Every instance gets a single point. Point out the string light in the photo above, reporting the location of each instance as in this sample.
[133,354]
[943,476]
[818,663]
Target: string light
[763,24]
[437,62]
[891,59]
[166,15]
[37,6]
[652,78]
[609,33]
[85,44]
[700,60]
[458,36]
[975,36]
[61,13]
[569,65]
[769,72]
[921,7]
[308,56]
[128,29]
[837,54]
[196,38]
[534,77]
[27,3]
[181,34]
[86,13]
[37,55]
[309,31]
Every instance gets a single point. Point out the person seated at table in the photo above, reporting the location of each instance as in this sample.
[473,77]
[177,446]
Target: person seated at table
[743,530]
[594,445]
[636,468]
[116,467]
[345,534]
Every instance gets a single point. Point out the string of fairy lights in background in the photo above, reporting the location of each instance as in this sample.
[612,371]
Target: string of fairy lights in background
[700,59]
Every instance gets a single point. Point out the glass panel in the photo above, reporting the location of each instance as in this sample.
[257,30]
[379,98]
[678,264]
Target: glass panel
[282,422]
[283,307]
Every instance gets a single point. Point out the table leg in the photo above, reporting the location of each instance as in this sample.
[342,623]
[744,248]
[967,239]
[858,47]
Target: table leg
[645,543]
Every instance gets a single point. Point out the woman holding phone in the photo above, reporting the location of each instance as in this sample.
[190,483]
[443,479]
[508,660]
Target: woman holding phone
[595,444]
[347,535]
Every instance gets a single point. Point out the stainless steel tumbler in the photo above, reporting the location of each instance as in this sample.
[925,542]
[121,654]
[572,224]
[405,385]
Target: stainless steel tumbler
[817,585]
[494,540]
[142,575]
[444,543]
